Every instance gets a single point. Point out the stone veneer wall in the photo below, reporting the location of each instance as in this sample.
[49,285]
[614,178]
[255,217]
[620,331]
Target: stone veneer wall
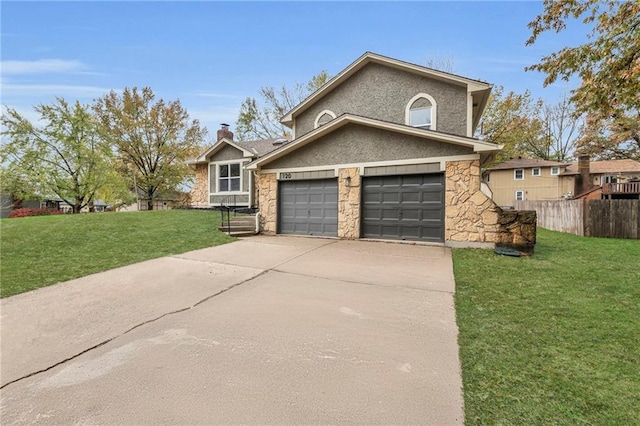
[200,190]
[471,216]
[267,186]
[349,203]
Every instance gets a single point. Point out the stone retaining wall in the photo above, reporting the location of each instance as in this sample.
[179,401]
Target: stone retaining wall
[471,216]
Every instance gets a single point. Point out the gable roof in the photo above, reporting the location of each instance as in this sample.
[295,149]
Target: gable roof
[479,89]
[523,163]
[263,146]
[250,149]
[608,166]
[344,119]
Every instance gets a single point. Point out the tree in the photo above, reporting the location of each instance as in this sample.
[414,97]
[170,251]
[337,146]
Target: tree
[441,63]
[529,128]
[66,157]
[608,65]
[561,125]
[153,139]
[261,120]
[512,120]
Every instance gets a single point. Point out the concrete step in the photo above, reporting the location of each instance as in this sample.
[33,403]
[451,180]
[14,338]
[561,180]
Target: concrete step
[240,226]
[242,233]
[242,220]
[234,228]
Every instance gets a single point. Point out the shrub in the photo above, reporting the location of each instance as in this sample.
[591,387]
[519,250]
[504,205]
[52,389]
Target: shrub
[24,212]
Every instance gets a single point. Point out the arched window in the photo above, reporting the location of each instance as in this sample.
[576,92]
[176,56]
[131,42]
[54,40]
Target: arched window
[421,112]
[323,118]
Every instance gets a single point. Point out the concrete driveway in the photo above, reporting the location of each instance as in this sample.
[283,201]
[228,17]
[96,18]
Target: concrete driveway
[277,330]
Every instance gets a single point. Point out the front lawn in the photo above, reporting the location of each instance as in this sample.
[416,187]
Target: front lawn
[551,339]
[40,251]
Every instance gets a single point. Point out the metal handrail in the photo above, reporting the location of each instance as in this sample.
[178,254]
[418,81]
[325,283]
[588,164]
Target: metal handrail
[225,204]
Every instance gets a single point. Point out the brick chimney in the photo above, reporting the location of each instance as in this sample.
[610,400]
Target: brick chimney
[224,132]
[583,179]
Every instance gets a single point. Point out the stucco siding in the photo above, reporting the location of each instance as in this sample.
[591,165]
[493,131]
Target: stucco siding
[381,92]
[359,144]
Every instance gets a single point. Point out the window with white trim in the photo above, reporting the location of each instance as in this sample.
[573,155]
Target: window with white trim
[229,177]
[519,195]
[421,112]
[555,171]
[535,171]
[323,118]
[518,174]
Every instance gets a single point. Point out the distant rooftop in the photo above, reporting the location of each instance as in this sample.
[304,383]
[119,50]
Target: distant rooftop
[523,163]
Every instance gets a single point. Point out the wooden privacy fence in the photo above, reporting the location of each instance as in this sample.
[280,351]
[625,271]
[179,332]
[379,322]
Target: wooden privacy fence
[592,218]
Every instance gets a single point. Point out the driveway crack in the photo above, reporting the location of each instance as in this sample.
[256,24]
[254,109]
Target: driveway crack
[149,321]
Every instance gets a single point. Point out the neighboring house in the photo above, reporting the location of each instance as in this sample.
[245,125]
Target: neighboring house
[530,179]
[8,204]
[164,201]
[221,174]
[384,150]
[613,179]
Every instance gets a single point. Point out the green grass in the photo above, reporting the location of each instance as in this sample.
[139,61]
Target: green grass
[551,339]
[40,251]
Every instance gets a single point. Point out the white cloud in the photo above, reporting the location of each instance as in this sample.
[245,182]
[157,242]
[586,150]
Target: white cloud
[64,90]
[42,66]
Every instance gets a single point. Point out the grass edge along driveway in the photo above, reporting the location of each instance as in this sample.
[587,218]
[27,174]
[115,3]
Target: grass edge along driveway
[40,251]
[551,339]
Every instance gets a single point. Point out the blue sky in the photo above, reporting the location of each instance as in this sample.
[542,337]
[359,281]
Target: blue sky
[212,55]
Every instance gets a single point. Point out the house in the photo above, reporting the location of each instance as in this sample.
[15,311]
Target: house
[384,150]
[221,173]
[164,201]
[611,179]
[8,203]
[531,179]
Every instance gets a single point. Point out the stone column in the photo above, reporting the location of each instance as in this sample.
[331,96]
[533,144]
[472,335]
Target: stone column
[200,190]
[349,203]
[267,185]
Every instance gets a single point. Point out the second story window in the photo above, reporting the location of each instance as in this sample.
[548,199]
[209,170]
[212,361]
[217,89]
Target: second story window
[421,112]
[535,171]
[555,171]
[518,174]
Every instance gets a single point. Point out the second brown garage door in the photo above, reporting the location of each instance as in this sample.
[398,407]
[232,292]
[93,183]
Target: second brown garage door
[408,207]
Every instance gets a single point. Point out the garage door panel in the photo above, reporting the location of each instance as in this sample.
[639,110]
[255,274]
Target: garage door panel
[410,197]
[411,214]
[407,207]
[309,207]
